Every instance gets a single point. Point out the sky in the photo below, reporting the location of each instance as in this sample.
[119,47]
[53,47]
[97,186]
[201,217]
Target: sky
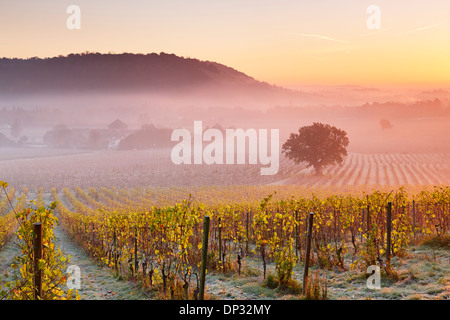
[284,42]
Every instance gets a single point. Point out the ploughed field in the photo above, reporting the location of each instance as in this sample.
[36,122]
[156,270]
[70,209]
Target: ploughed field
[48,168]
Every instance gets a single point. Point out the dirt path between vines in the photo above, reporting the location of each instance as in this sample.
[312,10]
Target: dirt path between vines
[97,281]
[7,254]
[424,273]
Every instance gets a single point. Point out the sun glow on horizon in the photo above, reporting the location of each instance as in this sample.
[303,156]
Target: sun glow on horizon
[287,44]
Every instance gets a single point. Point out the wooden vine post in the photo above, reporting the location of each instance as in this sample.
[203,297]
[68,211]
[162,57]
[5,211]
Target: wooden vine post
[220,242]
[136,262]
[204,258]
[388,230]
[115,250]
[414,218]
[247,234]
[308,251]
[37,255]
[296,233]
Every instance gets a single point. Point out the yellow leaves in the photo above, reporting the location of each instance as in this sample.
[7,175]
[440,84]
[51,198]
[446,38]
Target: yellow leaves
[23,271]
[171,234]
[53,262]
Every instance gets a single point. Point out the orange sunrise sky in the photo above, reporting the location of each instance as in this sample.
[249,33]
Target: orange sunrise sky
[288,43]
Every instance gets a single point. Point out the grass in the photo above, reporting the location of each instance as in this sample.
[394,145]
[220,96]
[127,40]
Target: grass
[258,290]
[423,273]
[438,242]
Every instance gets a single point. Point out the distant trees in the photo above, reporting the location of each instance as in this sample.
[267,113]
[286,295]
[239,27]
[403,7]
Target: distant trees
[16,128]
[96,140]
[60,137]
[149,136]
[385,124]
[320,145]
[5,142]
[22,141]
[119,72]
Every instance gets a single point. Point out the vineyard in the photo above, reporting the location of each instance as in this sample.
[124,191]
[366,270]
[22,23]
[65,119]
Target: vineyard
[68,168]
[154,235]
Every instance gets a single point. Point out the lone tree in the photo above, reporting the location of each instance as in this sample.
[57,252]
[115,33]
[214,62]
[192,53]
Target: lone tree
[320,145]
[385,124]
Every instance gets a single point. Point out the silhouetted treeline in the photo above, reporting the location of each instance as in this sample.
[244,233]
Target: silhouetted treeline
[61,136]
[126,71]
[418,109]
[28,116]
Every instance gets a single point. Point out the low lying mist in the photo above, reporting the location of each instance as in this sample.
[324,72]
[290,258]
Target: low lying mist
[420,125]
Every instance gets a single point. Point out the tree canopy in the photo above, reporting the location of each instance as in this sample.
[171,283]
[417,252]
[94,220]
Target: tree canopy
[320,145]
[385,124]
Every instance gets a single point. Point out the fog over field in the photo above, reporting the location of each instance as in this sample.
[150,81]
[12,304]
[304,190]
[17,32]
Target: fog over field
[224,150]
[63,130]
